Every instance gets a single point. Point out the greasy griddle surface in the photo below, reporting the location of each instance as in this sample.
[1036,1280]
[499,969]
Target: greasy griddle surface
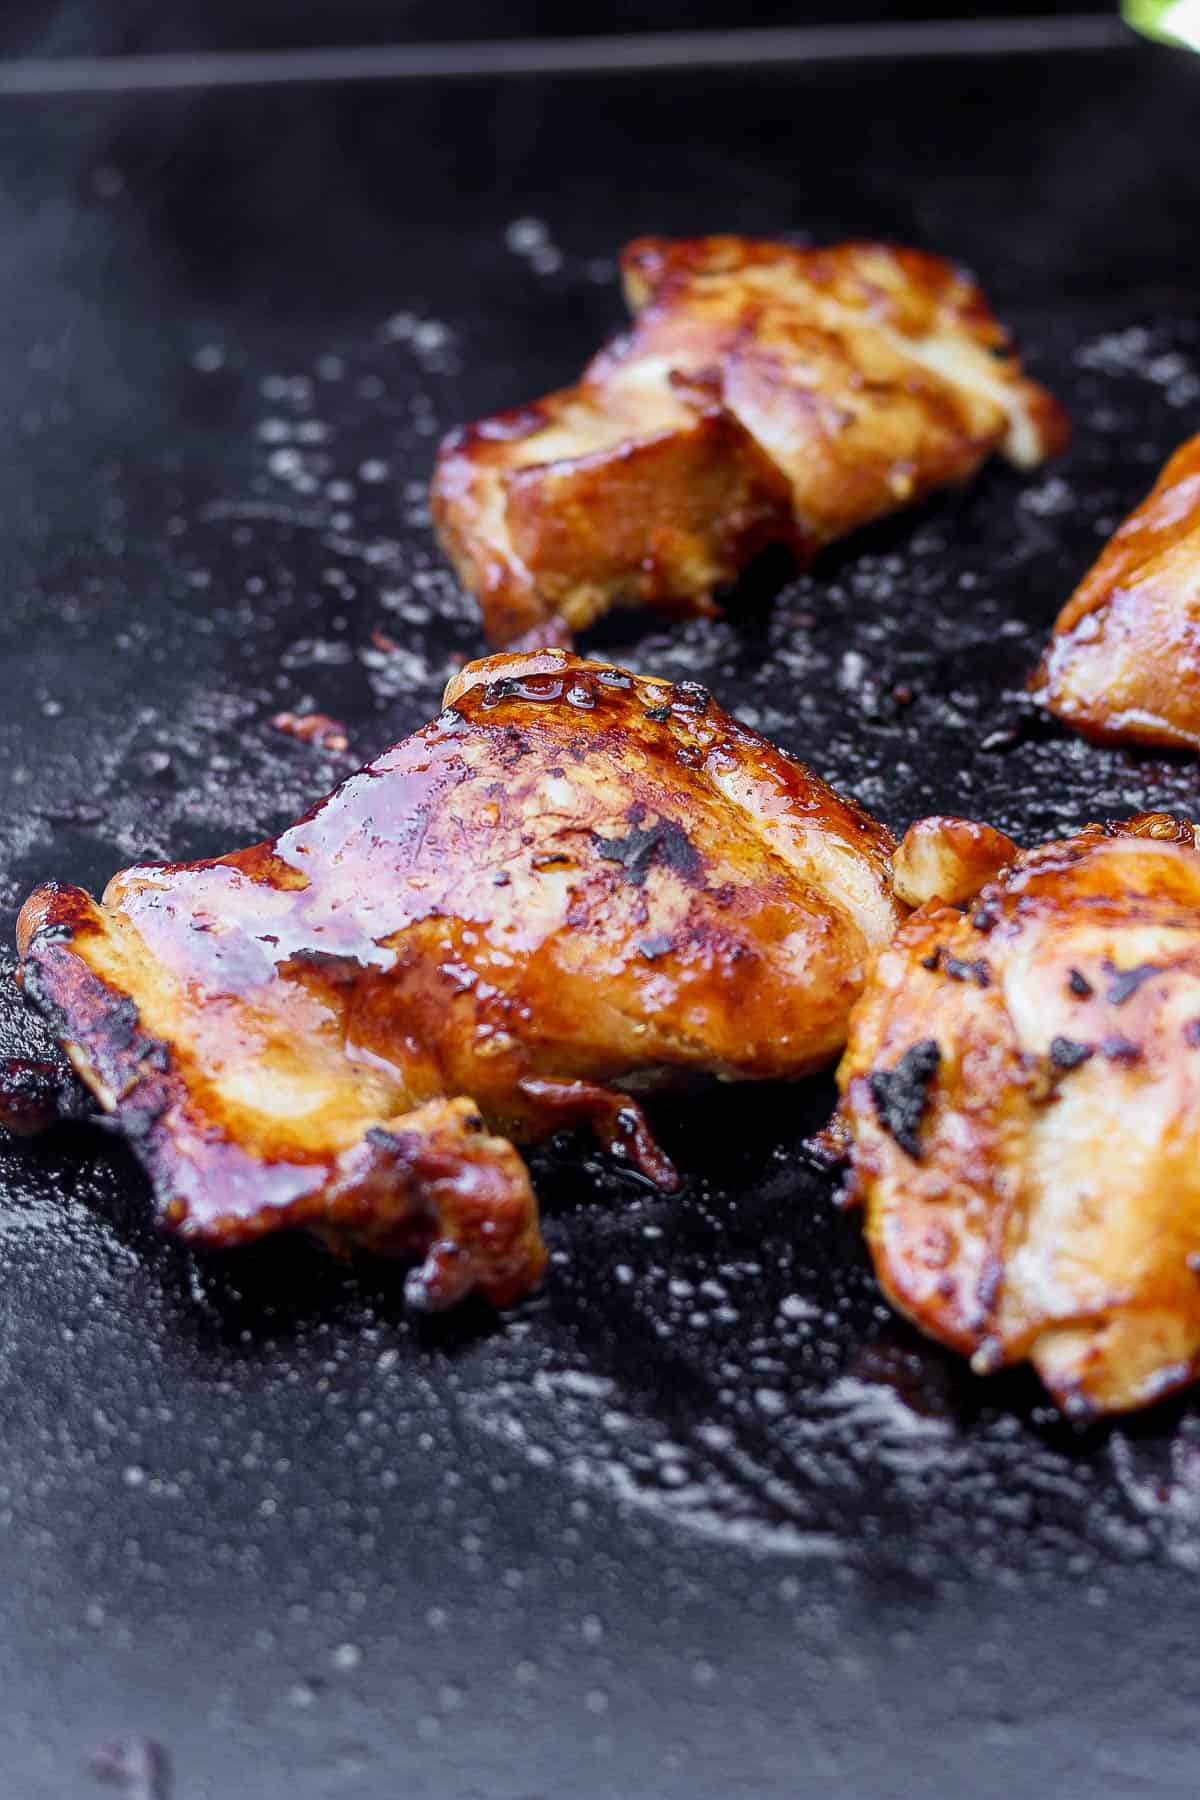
[703,1518]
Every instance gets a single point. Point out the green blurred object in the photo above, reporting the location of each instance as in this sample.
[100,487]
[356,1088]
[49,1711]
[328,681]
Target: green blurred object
[1171,21]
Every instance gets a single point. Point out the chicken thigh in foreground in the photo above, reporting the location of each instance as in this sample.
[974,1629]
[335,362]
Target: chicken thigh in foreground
[1021,1092]
[573,883]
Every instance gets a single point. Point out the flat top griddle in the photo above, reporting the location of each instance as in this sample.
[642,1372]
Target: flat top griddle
[703,1518]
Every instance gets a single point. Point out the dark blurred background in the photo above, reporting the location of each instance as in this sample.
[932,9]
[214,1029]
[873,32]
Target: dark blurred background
[123,27]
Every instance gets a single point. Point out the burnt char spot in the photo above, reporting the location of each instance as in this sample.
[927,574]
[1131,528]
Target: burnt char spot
[380,1139]
[654,947]
[902,1094]
[1065,1053]
[959,969]
[1191,1034]
[1120,1049]
[336,965]
[691,695]
[141,1109]
[106,1022]
[35,1093]
[979,972]
[1128,981]
[677,852]
[38,995]
[513,747]
[1079,985]
[666,844]
[122,1024]
[660,714]
[61,933]
[635,852]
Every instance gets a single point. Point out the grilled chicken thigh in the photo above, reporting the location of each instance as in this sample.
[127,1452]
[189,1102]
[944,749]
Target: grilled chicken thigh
[763,394]
[1021,1090]
[574,883]
[1124,662]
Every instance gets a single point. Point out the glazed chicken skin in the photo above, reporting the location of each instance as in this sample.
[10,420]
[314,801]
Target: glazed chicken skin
[575,882]
[1021,1092]
[1123,665]
[764,394]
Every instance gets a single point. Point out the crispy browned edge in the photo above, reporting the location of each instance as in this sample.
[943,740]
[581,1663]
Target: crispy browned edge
[140,1071]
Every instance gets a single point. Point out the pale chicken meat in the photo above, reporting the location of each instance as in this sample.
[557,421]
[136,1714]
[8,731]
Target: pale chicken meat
[1021,1099]
[1123,664]
[573,885]
[764,394]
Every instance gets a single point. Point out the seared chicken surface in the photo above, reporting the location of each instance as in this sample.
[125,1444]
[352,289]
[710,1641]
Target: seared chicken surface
[1124,662]
[764,394]
[575,882]
[1021,1089]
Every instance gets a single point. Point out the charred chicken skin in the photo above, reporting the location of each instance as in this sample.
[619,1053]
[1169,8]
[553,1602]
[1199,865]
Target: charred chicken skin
[572,884]
[1123,664]
[1021,1093]
[763,394]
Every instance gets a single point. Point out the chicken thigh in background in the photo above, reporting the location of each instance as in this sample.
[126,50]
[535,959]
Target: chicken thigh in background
[764,394]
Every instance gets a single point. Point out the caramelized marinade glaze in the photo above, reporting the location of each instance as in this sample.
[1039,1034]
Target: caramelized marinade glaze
[572,885]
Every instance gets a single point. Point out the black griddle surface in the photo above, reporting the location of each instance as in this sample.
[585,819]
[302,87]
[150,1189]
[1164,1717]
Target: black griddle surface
[702,1519]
